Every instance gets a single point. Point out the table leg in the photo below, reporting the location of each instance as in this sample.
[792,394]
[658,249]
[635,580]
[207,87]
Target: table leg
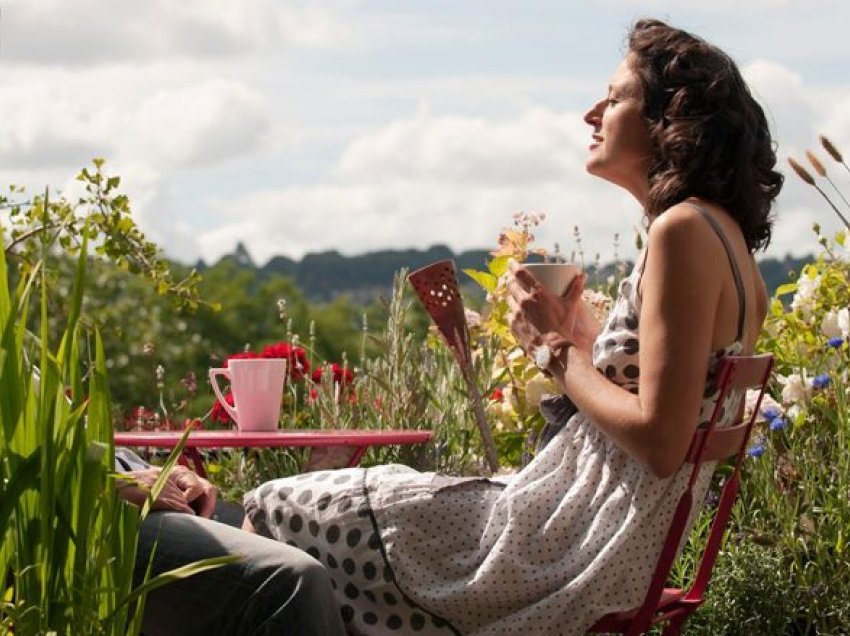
[356,456]
[197,461]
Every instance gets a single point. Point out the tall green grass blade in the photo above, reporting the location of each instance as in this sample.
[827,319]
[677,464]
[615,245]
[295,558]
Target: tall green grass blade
[24,477]
[167,467]
[177,574]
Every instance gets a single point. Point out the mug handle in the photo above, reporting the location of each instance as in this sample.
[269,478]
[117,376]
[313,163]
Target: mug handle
[214,373]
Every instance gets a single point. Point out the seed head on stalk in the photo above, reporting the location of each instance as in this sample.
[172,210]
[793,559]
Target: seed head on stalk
[821,170]
[831,149]
[806,176]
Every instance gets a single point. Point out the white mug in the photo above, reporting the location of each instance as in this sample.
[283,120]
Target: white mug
[257,388]
[554,276]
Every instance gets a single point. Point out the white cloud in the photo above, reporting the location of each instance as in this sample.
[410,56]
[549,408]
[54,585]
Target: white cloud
[428,180]
[64,118]
[538,146]
[198,125]
[217,103]
[788,105]
[88,32]
[799,113]
[716,6]
[431,179]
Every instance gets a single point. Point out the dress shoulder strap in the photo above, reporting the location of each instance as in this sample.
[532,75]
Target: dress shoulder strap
[736,273]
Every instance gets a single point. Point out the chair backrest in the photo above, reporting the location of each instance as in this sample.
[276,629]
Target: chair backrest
[709,444]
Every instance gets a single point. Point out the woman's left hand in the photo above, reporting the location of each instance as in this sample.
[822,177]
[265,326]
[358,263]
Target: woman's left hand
[534,310]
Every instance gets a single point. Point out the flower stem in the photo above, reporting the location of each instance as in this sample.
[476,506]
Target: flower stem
[837,211]
[837,191]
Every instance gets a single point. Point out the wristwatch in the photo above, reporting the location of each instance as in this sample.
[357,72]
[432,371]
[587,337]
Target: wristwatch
[551,348]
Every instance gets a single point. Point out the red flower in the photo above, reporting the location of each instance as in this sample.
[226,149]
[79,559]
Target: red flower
[297,365]
[242,355]
[219,413]
[497,395]
[340,375]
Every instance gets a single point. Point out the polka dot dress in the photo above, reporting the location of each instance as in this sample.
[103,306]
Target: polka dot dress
[571,537]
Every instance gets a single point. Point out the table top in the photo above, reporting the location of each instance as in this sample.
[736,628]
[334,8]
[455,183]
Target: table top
[202,438]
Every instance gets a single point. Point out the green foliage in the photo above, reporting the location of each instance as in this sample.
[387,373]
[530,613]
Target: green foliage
[102,215]
[68,545]
[785,567]
[405,383]
[747,595]
[67,542]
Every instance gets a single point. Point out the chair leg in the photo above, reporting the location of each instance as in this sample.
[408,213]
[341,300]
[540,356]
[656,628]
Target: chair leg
[675,625]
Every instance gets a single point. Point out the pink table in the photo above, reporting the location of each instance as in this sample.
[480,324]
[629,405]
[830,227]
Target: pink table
[358,440]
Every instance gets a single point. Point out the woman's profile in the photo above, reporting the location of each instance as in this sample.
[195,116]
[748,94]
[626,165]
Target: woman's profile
[577,532]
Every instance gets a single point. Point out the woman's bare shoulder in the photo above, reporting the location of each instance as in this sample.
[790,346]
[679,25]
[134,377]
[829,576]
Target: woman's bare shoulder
[682,232]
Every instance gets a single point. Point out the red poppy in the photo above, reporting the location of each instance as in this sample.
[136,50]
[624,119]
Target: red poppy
[297,364]
[219,413]
[242,355]
[340,375]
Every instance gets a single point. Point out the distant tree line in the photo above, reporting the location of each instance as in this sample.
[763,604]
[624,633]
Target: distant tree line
[325,276]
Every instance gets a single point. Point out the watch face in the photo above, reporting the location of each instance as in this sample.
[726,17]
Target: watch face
[543,356]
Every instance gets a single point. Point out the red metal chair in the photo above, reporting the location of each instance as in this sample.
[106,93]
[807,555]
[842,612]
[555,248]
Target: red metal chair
[672,605]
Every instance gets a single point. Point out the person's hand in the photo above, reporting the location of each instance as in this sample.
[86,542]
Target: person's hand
[534,310]
[183,491]
[199,493]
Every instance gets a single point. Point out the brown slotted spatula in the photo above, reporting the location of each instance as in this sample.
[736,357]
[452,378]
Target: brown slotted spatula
[437,288]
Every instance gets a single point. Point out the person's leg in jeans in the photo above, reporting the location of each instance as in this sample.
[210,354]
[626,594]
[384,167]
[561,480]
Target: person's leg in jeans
[274,589]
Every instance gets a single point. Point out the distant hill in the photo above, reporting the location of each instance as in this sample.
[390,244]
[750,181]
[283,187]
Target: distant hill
[324,276]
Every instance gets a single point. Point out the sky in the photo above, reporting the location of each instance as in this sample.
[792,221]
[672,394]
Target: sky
[356,125]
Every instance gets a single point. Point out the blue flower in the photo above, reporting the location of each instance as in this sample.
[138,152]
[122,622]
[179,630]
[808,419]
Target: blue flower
[771,413]
[820,381]
[756,450]
[778,423]
[835,342]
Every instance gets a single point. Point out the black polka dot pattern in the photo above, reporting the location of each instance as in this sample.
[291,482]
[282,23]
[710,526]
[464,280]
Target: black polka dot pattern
[413,552]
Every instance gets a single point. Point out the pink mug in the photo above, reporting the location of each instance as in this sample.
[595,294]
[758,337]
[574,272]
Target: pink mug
[257,388]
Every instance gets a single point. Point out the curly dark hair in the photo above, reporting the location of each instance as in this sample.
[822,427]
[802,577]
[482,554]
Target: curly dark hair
[710,137]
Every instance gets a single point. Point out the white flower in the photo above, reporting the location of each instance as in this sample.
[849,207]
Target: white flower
[844,322]
[473,318]
[767,402]
[503,412]
[795,388]
[804,299]
[537,387]
[829,325]
[794,412]
[771,328]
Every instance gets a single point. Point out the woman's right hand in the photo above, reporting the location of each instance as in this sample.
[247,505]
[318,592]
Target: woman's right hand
[585,326]
[535,311]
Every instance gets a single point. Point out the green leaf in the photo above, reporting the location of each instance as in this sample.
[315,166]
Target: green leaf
[182,572]
[787,288]
[24,477]
[499,265]
[485,280]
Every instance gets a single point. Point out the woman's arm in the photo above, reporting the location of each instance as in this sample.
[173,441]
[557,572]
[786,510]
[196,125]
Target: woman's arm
[680,291]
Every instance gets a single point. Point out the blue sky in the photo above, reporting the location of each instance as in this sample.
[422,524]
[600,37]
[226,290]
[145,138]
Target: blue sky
[356,125]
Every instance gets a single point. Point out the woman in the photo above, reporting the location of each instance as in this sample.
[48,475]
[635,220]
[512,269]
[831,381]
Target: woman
[576,534]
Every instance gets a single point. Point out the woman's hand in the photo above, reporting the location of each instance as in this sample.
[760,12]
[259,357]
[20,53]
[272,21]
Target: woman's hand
[534,310]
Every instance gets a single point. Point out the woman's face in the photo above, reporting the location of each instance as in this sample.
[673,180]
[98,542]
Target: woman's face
[621,151]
